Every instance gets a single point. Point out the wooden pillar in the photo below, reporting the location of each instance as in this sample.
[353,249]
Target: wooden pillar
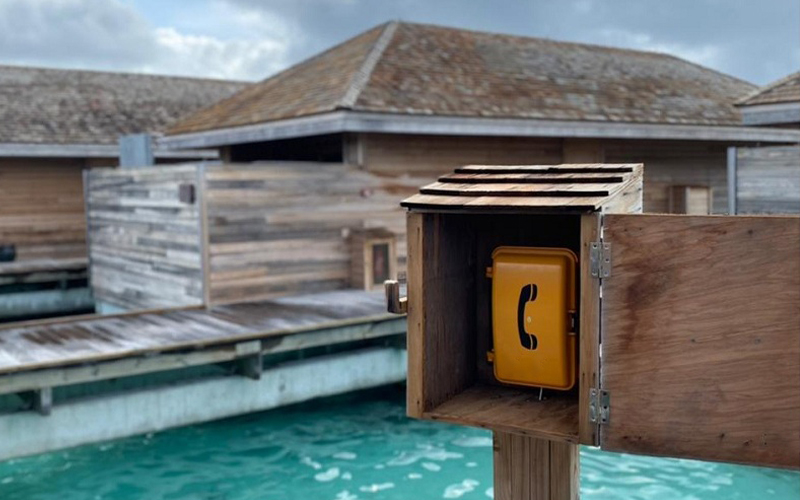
[527,468]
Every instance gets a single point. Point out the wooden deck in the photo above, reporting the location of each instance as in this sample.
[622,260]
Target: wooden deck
[63,343]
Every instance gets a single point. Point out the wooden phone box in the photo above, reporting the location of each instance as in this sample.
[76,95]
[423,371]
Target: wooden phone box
[697,317]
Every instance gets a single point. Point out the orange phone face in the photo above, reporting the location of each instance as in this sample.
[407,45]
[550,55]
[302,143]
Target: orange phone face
[533,295]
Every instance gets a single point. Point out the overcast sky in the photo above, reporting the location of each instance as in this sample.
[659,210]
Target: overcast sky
[756,40]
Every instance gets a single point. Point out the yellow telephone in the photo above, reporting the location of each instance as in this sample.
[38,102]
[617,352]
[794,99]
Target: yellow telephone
[533,311]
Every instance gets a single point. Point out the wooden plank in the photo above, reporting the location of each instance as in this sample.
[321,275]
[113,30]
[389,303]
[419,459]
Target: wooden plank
[447,288]
[621,196]
[415,344]
[565,471]
[145,244]
[669,163]
[203,233]
[516,189]
[42,209]
[512,410]
[54,377]
[532,178]
[429,156]
[281,228]
[48,344]
[527,468]
[701,338]
[589,339]
[544,204]
[574,168]
[43,265]
[767,180]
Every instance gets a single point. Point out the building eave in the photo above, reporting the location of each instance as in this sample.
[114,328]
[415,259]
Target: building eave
[25,150]
[771,114]
[354,121]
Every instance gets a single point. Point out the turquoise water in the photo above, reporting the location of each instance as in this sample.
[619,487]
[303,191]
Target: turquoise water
[356,447]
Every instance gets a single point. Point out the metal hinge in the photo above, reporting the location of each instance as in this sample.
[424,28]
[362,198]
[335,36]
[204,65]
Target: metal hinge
[599,406]
[600,259]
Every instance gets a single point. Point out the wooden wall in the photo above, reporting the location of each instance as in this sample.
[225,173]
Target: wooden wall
[144,241]
[673,163]
[667,163]
[430,156]
[768,180]
[282,228]
[41,211]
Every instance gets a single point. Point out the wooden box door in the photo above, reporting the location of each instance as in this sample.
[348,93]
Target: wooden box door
[700,336]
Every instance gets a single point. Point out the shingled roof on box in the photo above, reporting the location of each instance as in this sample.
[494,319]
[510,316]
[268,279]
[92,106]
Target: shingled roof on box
[416,69]
[68,107]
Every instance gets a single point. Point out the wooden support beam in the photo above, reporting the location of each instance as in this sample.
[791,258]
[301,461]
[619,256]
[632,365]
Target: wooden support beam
[43,400]
[251,361]
[140,364]
[589,338]
[527,468]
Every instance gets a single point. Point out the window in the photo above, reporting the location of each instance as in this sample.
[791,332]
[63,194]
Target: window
[373,257]
[691,200]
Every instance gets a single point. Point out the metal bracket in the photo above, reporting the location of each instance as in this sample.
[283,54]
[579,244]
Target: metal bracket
[599,406]
[600,259]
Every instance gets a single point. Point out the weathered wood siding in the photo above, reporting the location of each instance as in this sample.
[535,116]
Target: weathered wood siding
[768,180]
[430,156]
[668,164]
[281,228]
[144,241]
[41,211]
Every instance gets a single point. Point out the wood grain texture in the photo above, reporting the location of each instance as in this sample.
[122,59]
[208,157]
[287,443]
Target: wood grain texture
[534,469]
[429,156]
[512,410]
[41,212]
[589,337]
[670,163]
[565,471]
[415,344]
[58,343]
[490,188]
[701,338]
[203,234]
[210,354]
[767,181]
[282,228]
[448,329]
[145,242]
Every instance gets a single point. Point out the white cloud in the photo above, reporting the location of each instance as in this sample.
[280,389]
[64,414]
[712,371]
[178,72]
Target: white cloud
[110,35]
[211,57]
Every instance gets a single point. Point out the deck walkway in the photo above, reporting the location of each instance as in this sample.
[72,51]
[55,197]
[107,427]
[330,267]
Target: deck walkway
[61,377]
[64,342]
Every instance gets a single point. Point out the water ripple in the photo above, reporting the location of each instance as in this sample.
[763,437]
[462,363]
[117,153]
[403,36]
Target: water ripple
[346,449]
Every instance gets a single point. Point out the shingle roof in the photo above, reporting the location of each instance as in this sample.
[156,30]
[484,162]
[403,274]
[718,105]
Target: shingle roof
[431,70]
[54,106]
[787,89]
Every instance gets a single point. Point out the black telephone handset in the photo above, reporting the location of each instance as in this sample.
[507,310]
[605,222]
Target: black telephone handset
[527,294]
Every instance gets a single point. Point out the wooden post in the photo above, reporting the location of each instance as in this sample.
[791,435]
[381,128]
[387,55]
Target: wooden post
[43,400]
[527,468]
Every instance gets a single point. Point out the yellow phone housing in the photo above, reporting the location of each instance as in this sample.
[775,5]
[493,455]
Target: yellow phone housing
[533,314]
